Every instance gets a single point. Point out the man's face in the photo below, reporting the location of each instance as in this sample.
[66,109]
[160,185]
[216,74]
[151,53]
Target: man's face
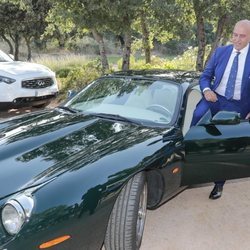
[241,36]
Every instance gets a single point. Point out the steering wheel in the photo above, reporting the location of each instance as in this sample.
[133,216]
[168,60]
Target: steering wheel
[159,109]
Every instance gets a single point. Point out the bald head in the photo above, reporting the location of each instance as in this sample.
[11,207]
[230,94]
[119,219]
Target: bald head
[245,24]
[241,34]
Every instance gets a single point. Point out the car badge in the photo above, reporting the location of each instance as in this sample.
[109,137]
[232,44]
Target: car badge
[40,83]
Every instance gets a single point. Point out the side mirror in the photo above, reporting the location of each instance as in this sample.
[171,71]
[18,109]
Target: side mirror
[226,118]
[71,93]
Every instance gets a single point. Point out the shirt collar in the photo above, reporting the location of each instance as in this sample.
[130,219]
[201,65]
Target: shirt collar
[242,51]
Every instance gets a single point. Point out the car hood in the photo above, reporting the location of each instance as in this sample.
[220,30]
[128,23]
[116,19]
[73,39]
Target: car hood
[16,68]
[39,146]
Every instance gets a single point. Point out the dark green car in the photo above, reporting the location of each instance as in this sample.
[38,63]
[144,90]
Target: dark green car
[81,176]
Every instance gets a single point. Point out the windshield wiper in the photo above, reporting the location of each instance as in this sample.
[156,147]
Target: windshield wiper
[116,117]
[68,109]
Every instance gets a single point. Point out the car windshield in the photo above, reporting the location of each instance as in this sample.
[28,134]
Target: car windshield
[4,57]
[145,101]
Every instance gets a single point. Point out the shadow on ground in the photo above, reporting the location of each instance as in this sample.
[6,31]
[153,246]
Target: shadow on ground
[20,111]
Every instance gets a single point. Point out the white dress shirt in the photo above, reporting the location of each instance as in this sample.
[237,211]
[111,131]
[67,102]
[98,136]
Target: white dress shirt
[242,59]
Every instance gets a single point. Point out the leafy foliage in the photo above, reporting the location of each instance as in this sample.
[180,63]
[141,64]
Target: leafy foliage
[78,77]
[172,24]
[24,19]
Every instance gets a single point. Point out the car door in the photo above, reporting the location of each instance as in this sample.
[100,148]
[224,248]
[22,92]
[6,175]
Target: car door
[217,150]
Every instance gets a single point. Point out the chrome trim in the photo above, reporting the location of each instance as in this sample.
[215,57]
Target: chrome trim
[17,206]
[26,202]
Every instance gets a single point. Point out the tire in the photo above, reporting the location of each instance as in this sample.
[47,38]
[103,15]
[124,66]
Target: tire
[127,220]
[43,105]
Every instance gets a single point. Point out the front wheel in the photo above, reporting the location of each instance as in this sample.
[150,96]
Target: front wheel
[127,220]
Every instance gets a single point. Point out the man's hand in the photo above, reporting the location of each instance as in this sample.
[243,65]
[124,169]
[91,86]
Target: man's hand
[248,116]
[210,96]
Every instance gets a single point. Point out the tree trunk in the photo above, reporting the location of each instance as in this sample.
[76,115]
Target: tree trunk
[60,37]
[11,50]
[224,40]
[201,42]
[145,39]
[121,40]
[126,51]
[99,38]
[40,44]
[201,37]
[27,40]
[219,34]
[16,40]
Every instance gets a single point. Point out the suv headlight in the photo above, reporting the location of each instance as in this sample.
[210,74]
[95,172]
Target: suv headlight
[7,79]
[15,212]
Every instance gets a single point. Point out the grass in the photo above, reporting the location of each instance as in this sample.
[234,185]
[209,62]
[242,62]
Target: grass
[57,62]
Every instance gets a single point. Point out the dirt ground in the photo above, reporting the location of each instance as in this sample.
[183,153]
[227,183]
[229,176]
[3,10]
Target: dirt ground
[13,112]
[191,221]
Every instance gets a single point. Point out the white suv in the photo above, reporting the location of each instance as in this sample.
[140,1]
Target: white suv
[25,84]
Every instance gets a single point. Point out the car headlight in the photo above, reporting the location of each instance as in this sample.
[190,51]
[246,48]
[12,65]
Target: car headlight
[7,79]
[13,217]
[15,212]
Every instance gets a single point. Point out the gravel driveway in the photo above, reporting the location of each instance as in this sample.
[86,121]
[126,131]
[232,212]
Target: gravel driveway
[191,221]
[13,112]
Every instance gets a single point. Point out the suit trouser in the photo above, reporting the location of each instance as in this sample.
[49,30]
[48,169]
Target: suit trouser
[222,104]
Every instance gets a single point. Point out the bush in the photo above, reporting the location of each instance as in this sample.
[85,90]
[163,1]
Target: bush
[156,63]
[63,73]
[80,76]
[186,61]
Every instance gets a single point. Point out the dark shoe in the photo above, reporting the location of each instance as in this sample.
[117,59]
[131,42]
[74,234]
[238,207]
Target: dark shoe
[216,192]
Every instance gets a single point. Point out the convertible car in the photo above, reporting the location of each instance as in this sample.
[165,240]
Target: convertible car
[82,175]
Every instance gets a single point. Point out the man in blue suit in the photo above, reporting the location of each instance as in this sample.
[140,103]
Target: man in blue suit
[225,82]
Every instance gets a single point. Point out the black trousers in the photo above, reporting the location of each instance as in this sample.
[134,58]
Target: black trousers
[220,183]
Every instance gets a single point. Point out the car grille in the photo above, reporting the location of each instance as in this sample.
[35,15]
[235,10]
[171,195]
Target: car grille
[37,83]
[23,100]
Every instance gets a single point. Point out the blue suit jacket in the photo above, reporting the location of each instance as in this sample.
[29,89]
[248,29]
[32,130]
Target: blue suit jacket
[212,75]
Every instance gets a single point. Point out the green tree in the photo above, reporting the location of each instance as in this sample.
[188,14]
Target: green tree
[222,14]
[81,15]
[173,21]
[145,26]
[123,14]
[34,24]
[10,18]
[60,26]
[102,16]
[23,19]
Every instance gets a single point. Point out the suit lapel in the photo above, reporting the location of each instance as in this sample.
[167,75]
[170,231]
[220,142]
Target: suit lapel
[246,73]
[224,57]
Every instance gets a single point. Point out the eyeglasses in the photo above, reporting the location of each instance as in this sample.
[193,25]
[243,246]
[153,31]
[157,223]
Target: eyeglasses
[241,36]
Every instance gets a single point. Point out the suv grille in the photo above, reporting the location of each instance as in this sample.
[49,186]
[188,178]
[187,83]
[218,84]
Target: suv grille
[37,83]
